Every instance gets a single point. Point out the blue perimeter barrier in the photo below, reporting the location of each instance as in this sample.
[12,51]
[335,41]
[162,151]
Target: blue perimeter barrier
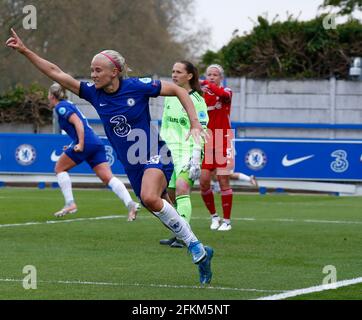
[294,159]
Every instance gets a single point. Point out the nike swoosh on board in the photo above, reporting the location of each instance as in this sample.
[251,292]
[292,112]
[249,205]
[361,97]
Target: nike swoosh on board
[54,157]
[288,163]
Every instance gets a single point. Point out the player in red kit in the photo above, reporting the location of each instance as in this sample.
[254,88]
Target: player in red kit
[219,152]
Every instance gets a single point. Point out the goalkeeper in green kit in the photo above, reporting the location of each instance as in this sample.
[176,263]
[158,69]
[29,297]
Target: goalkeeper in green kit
[186,155]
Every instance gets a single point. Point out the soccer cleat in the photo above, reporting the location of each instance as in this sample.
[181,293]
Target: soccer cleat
[205,267]
[253,181]
[224,227]
[168,242]
[133,207]
[66,210]
[215,223]
[177,244]
[197,251]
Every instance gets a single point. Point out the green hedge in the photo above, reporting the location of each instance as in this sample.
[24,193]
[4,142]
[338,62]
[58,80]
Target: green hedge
[291,49]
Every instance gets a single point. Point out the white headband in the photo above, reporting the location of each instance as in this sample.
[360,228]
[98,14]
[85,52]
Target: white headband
[218,67]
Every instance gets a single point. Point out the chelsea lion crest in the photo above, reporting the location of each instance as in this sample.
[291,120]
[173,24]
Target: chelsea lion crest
[255,159]
[25,154]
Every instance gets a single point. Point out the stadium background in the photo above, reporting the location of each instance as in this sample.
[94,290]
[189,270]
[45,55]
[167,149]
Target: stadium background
[325,127]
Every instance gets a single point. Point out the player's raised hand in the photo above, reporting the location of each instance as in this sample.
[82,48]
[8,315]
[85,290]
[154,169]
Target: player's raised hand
[15,42]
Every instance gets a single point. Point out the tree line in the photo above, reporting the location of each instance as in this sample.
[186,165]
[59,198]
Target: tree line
[295,49]
[69,33]
[292,49]
[153,34]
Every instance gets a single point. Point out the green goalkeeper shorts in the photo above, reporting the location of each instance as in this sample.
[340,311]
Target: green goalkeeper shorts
[184,175]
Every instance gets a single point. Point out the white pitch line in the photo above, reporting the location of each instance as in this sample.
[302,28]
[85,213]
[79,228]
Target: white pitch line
[160,286]
[291,220]
[32,223]
[115,199]
[306,204]
[332,221]
[324,287]
[315,221]
[60,221]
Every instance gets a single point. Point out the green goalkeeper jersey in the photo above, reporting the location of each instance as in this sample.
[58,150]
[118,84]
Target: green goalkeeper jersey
[176,125]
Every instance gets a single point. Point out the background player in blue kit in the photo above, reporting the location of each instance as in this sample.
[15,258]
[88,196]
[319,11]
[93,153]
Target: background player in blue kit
[123,107]
[86,146]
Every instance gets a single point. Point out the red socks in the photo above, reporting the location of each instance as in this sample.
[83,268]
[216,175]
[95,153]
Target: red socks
[226,199]
[227,202]
[208,197]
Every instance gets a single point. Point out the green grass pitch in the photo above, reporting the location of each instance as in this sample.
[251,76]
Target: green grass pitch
[278,243]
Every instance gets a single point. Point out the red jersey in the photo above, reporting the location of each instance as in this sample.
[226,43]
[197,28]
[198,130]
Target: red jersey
[218,150]
[218,101]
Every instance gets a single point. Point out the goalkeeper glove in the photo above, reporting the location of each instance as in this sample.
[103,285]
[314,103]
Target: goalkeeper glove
[193,165]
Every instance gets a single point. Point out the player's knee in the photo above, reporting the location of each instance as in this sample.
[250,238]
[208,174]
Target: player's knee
[205,185]
[103,172]
[58,169]
[205,180]
[105,179]
[224,184]
[182,187]
[149,199]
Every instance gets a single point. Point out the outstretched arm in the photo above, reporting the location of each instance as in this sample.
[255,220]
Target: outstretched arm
[220,92]
[171,89]
[79,128]
[46,67]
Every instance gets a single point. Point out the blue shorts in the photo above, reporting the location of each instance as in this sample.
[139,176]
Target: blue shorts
[93,154]
[135,174]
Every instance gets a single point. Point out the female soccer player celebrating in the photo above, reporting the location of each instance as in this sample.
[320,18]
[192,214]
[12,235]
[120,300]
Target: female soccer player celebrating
[123,107]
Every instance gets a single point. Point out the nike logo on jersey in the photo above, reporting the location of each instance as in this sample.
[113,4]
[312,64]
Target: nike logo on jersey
[102,104]
[288,163]
[54,157]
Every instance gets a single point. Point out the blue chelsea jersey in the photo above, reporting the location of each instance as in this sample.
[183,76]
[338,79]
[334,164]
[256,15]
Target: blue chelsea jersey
[126,118]
[64,110]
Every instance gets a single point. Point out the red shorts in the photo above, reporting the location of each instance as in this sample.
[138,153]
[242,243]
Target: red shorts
[219,156]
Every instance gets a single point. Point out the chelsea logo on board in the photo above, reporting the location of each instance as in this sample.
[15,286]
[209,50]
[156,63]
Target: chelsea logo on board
[255,159]
[25,154]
